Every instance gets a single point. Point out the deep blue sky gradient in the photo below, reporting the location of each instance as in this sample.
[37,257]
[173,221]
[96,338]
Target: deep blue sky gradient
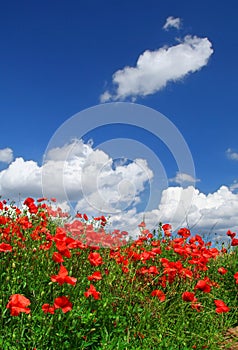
[57,57]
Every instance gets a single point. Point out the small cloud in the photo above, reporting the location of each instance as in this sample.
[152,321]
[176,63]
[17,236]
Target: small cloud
[172,22]
[155,69]
[234,186]
[231,154]
[183,179]
[106,96]
[6,155]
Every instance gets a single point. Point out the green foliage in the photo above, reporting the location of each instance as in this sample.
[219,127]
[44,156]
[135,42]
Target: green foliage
[126,315]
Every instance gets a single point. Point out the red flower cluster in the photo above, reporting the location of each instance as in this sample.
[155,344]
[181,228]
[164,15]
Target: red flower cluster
[234,241]
[62,303]
[221,306]
[188,257]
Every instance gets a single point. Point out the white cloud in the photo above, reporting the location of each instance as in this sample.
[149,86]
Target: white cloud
[183,179]
[172,22]
[154,69]
[208,214]
[106,96]
[21,177]
[231,154]
[234,186]
[6,155]
[76,172]
[87,176]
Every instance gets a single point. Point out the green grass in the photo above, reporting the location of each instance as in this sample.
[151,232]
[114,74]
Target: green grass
[126,316]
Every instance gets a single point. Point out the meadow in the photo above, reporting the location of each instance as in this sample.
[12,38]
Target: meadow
[69,283]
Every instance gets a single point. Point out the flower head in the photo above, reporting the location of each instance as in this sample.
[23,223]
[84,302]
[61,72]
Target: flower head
[221,306]
[18,303]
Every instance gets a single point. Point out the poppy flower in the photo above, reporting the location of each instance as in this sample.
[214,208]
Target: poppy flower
[142,224]
[96,276]
[57,257]
[203,286]
[234,242]
[42,199]
[222,270]
[184,232]
[92,291]
[18,303]
[167,230]
[85,217]
[95,259]
[63,303]
[159,294]
[221,306]
[28,201]
[63,277]
[4,247]
[188,296]
[230,234]
[46,308]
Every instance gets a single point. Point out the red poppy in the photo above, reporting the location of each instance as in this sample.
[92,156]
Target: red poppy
[230,234]
[203,286]
[142,224]
[63,249]
[159,294]
[221,306]
[167,229]
[95,259]
[57,257]
[184,232]
[41,199]
[92,291]
[234,242]
[85,217]
[236,277]
[96,276]
[46,308]
[222,270]
[45,246]
[63,277]
[63,303]
[4,247]
[28,201]
[18,303]
[188,296]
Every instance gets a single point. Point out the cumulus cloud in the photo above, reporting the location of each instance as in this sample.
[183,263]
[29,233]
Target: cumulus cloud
[172,22]
[209,215]
[95,183]
[155,69]
[183,179]
[231,154]
[6,155]
[76,172]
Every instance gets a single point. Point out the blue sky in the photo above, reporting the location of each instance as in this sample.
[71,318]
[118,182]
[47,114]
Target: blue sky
[59,58]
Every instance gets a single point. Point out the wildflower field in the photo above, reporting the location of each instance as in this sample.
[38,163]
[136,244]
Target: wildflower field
[69,284]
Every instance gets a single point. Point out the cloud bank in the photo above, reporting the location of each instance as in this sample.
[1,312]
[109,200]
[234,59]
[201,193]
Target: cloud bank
[88,177]
[155,69]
